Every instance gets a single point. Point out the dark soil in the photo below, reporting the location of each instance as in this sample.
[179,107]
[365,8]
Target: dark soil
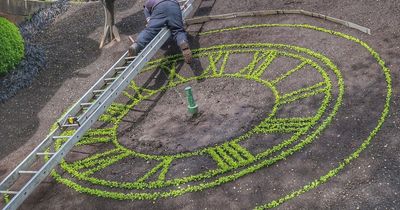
[34,61]
[228,108]
[75,62]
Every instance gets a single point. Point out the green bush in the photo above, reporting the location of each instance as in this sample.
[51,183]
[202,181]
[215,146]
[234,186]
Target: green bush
[11,46]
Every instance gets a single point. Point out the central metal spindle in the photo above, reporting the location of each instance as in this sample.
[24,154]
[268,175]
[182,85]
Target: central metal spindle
[192,106]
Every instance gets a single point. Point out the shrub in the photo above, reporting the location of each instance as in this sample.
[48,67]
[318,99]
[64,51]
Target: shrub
[11,46]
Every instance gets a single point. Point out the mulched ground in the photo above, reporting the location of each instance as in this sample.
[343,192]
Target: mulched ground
[371,181]
[34,60]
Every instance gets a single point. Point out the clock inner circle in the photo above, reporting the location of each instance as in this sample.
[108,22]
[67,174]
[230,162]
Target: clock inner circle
[228,107]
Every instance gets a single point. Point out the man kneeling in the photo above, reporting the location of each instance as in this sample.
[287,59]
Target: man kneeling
[161,13]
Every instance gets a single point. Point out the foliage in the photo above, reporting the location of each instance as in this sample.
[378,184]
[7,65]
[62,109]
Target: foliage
[6,198]
[11,47]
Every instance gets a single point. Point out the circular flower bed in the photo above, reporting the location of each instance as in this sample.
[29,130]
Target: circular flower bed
[95,174]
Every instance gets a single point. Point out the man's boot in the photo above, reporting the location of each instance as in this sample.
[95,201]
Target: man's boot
[133,50]
[186,52]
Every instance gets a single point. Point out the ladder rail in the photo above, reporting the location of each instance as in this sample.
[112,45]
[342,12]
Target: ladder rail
[28,161]
[89,94]
[89,117]
[32,157]
[101,82]
[55,159]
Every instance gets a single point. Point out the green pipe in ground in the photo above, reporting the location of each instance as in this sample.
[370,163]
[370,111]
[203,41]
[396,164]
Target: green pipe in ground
[192,106]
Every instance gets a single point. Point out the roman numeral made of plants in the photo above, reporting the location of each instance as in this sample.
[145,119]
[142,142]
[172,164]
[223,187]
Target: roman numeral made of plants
[260,62]
[158,172]
[217,63]
[304,93]
[230,155]
[99,161]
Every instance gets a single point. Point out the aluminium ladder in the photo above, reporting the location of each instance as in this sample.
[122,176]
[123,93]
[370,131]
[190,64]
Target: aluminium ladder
[86,112]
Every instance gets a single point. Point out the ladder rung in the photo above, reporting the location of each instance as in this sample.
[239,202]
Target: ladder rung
[121,68]
[8,192]
[86,104]
[98,91]
[71,125]
[45,153]
[27,172]
[61,137]
[110,79]
[130,58]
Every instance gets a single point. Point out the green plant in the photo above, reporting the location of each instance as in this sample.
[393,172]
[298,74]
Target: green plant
[6,198]
[11,46]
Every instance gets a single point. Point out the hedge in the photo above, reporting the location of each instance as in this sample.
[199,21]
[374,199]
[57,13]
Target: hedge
[11,46]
